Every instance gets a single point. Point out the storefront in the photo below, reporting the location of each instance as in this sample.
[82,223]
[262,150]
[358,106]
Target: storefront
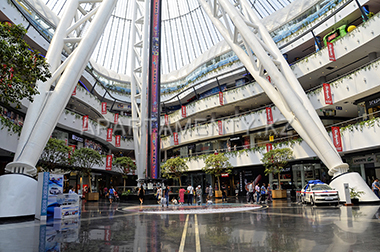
[369,106]
[367,165]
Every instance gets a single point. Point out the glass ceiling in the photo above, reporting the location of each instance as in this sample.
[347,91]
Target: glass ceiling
[187,32]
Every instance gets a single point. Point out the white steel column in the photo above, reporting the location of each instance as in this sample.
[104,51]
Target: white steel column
[139,67]
[240,26]
[44,112]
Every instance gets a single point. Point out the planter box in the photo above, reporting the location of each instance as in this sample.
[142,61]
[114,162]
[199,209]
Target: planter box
[92,196]
[279,194]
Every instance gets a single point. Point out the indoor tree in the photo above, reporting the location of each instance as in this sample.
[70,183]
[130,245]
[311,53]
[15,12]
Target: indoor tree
[84,159]
[216,165]
[20,66]
[174,168]
[275,160]
[55,153]
[127,165]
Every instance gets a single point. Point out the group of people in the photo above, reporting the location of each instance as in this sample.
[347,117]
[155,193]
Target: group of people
[262,193]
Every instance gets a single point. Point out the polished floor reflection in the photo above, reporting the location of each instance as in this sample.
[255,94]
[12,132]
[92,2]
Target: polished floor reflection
[278,226]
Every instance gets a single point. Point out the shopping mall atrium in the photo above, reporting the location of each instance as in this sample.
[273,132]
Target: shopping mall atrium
[156,80]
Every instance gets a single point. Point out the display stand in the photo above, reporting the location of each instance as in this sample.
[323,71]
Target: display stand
[69,206]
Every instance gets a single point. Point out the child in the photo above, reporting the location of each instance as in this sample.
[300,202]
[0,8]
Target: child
[174,201]
[209,200]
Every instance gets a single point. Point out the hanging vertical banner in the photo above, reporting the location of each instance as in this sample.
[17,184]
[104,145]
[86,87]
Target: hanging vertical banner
[109,162]
[327,93]
[330,48]
[183,110]
[104,108]
[153,148]
[337,138]
[166,119]
[221,98]
[269,79]
[109,135]
[175,138]
[117,141]
[269,147]
[116,118]
[72,149]
[75,91]
[85,123]
[269,115]
[220,127]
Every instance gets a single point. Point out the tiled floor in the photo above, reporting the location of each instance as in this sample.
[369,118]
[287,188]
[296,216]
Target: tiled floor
[279,226]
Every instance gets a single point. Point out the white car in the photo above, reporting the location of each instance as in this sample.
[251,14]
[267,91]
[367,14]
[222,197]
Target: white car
[319,193]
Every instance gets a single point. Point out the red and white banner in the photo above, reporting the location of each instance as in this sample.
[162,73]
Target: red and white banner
[175,138]
[183,110]
[225,175]
[75,91]
[116,118]
[109,162]
[117,141]
[269,147]
[221,101]
[104,108]
[327,93]
[85,123]
[166,119]
[269,79]
[220,127]
[109,135]
[72,149]
[269,115]
[330,48]
[337,138]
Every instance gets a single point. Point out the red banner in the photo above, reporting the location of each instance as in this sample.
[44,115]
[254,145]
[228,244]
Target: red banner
[330,47]
[117,141]
[220,127]
[269,147]
[85,123]
[75,91]
[109,135]
[116,118]
[72,149]
[269,115]
[336,138]
[104,108]
[327,93]
[183,110]
[166,120]
[109,162]
[175,137]
[221,98]
[269,79]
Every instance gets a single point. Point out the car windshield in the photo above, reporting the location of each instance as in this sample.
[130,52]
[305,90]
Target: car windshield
[320,187]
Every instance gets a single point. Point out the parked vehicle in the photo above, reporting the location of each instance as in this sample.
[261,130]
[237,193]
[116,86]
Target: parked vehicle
[317,192]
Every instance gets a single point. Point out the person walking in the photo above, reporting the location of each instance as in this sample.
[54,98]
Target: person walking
[159,194]
[141,194]
[111,194]
[269,193]
[199,195]
[250,192]
[376,187]
[263,193]
[257,189]
[190,191]
[182,196]
[210,192]
[167,189]
[224,196]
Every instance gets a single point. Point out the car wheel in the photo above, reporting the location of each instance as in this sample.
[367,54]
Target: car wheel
[312,202]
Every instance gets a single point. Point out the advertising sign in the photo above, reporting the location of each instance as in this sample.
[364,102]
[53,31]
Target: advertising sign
[85,123]
[330,47]
[221,98]
[109,163]
[117,141]
[327,93]
[166,119]
[104,108]
[220,127]
[269,115]
[183,110]
[116,118]
[75,91]
[269,147]
[175,137]
[337,140]
[109,135]
[269,79]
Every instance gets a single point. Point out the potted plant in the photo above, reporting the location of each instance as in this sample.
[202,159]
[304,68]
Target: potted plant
[355,195]
[274,162]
